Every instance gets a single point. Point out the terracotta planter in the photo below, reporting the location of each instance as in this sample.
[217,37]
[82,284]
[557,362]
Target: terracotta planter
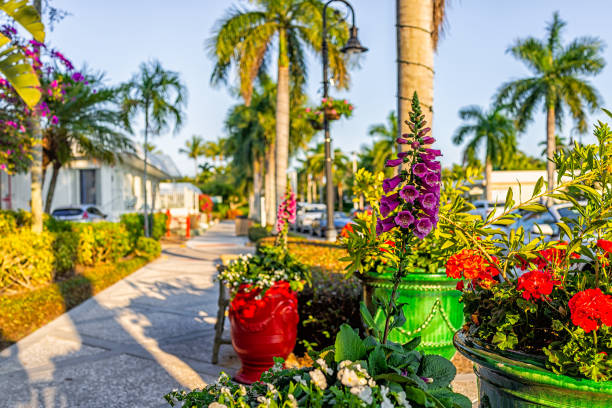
[508,379]
[432,308]
[263,329]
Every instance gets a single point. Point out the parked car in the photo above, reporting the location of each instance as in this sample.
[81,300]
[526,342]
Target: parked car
[320,224]
[545,223]
[306,215]
[79,213]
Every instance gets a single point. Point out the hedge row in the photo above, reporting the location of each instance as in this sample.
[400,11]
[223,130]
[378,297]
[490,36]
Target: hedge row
[29,260]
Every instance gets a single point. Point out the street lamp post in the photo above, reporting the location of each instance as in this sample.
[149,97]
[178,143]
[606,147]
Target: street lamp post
[352,46]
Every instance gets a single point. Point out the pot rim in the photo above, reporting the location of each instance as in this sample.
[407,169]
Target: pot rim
[419,274]
[528,367]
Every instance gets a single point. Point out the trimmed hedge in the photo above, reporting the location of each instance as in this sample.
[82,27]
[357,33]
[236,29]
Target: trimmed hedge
[134,224]
[27,259]
[101,242]
[257,232]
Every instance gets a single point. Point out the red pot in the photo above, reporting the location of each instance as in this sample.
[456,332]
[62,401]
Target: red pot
[262,328]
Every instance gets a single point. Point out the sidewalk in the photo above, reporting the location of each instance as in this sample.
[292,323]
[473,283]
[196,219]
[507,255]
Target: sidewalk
[133,342]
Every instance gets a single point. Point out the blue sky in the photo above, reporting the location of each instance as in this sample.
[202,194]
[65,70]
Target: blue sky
[116,36]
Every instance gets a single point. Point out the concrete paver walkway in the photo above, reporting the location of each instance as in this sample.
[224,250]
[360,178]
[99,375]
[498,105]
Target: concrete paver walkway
[133,342]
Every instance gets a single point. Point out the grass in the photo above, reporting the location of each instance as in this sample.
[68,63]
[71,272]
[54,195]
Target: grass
[24,312]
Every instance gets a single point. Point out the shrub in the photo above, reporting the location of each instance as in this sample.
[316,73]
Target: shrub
[53,225]
[257,232]
[134,224]
[323,307]
[101,242]
[8,223]
[65,249]
[26,259]
[148,248]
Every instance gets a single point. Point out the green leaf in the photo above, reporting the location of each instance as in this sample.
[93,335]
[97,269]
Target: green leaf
[377,361]
[412,344]
[566,230]
[349,345]
[533,207]
[20,74]
[368,319]
[504,341]
[438,369]
[456,400]
[538,187]
[26,16]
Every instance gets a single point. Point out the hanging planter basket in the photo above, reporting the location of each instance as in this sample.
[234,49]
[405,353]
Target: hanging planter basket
[332,114]
[316,124]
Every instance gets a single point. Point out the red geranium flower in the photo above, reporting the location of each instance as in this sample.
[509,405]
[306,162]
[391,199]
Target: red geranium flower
[348,228]
[536,284]
[591,308]
[470,265]
[548,257]
[605,245]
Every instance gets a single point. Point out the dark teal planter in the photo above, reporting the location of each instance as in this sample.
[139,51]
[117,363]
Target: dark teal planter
[517,380]
[432,309]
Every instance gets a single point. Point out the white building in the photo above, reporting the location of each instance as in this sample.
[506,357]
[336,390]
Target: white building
[115,189]
[181,199]
[522,183]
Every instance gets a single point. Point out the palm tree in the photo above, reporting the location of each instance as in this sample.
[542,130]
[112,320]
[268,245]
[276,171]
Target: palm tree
[385,147]
[557,82]
[160,96]
[492,129]
[214,150]
[419,25]
[87,127]
[244,38]
[194,148]
[314,165]
[560,145]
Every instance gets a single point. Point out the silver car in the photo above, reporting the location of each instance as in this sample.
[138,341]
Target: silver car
[79,213]
[307,215]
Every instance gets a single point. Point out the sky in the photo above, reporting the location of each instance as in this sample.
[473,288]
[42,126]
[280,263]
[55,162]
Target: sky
[115,36]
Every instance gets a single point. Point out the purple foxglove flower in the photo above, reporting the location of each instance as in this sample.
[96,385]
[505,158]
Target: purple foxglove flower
[431,179]
[390,183]
[409,193]
[429,201]
[430,154]
[415,145]
[400,140]
[424,132]
[422,227]
[427,140]
[420,169]
[404,219]
[401,155]
[388,204]
[394,162]
[432,165]
[384,225]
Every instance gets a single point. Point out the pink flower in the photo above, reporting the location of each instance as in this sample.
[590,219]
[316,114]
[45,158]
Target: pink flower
[54,120]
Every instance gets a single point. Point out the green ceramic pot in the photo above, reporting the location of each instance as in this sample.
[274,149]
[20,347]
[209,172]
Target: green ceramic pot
[432,308]
[516,380]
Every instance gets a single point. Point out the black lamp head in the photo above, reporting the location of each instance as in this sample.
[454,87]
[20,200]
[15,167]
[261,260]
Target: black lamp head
[353,46]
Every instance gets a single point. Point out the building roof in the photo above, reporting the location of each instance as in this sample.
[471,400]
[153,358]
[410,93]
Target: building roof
[167,188]
[159,161]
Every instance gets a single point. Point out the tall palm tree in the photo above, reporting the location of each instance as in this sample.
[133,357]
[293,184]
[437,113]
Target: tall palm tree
[244,38]
[492,129]
[385,147]
[419,25]
[214,150]
[194,148]
[87,127]
[160,96]
[557,82]
[314,164]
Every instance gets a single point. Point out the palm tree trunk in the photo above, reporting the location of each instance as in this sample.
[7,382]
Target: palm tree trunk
[144,184]
[282,119]
[52,184]
[488,173]
[415,59]
[308,189]
[256,193]
[270,190]
[340,200]
[37,165]
[550,149]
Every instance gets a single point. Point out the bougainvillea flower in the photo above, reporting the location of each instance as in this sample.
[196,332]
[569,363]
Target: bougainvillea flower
[420,169]
[590,308]
[605,245]
[409,193]
[423,227]
[404,219]
[393,162]
[390,183]
[535,284]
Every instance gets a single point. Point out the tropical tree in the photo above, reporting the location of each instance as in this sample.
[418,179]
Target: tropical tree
[85,126]
[314,165]
[419,25]
[244,38]
[194,149]
[490,128]
[384,146]
[214,150]
[560,145]
[160,96]
[557,82]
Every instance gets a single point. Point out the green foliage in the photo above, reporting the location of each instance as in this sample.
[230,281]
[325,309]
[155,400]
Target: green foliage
[27,259]
[356,372]
[147,248]
[101,242]
[257,232]
[65,251]
[134,225]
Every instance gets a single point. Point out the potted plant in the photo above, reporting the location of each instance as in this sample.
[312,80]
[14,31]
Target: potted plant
[331,108]
[539,311]
[429,298]
[263,309]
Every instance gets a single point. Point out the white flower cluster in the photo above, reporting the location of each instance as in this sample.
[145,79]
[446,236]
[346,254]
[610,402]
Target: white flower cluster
[355,377]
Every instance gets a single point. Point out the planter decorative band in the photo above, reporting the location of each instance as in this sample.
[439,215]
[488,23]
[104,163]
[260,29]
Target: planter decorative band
[518,380]
[432,308]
